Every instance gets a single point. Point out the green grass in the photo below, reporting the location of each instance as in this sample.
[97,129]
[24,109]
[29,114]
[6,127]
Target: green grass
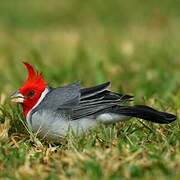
[133,44]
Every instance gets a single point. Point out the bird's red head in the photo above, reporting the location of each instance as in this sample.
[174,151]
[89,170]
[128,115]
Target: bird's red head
[29,94]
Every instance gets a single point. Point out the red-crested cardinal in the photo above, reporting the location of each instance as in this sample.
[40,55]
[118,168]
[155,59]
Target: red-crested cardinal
[50,112]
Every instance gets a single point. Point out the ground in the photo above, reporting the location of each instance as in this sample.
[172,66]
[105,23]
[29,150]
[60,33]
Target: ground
[135,45]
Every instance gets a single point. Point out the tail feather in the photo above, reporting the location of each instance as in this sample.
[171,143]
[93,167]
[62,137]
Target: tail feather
[146,113]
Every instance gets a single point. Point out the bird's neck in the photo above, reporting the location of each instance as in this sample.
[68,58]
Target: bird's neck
[27,110]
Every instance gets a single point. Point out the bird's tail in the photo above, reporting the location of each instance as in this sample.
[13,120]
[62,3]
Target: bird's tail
[146,113]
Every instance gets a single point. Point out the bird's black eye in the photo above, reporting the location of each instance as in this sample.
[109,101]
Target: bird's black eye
[31,93]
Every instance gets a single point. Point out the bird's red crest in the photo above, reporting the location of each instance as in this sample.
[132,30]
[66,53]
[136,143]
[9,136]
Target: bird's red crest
[33,76]
[31,72]
[32,88]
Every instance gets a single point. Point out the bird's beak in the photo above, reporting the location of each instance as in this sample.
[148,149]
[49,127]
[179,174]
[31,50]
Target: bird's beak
[17,97]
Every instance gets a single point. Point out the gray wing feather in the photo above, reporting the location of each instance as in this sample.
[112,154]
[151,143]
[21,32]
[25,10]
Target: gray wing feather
[92,91]
[81,112]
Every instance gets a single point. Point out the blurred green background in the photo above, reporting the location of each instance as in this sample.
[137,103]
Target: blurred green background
[135,44]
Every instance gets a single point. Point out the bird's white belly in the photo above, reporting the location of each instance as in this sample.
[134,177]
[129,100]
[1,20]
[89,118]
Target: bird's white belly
[48,125]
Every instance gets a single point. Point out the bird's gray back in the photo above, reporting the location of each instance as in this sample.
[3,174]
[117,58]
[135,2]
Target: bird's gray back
[64,96]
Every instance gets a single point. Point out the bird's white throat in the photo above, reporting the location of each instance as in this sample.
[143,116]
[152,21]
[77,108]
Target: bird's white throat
[43,95]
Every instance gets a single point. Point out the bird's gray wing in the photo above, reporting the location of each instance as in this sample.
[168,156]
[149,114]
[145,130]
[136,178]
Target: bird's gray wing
[97,99]
[81,102]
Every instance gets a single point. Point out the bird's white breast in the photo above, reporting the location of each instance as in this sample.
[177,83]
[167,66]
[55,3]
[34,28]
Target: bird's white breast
[52,125]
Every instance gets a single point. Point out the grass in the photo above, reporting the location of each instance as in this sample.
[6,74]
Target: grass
[133,44]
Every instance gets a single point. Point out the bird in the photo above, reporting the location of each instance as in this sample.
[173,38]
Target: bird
[51,112]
